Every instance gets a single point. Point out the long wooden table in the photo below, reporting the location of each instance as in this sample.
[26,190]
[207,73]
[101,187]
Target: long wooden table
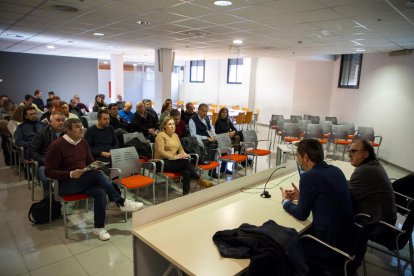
[178,233]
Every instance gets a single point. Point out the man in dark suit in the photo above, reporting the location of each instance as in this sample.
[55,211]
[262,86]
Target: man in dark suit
[323,190]
[370,187]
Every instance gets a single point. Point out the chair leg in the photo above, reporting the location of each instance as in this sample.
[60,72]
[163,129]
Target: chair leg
[166,188]
[153,192]
[126,213]
[398,261]
[65,226]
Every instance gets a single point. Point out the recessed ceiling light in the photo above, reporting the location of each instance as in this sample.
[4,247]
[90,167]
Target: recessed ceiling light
[222,3]
[141,22]
[50,46]
[237,41]
[359,50]
[105,62]
[134,64]
[98,34]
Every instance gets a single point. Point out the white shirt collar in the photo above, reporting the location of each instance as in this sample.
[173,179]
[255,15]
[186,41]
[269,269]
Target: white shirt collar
[70,141]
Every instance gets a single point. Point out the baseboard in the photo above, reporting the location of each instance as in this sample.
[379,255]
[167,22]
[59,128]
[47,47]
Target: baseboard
[395,166]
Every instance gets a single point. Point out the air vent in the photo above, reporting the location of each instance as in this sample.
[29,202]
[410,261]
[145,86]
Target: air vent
[195,33]
[65,8]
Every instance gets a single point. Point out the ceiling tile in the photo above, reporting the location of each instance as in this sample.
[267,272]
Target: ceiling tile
[190,10]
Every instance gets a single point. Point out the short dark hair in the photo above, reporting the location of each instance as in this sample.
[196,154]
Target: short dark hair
[27,108]
[70,122]
[37,92]
[102,111]
[49,105]
[27,97]
[187,105]
[111,105]
[175,112]
[313,148]
[51,93]
[366,145]
[202,105]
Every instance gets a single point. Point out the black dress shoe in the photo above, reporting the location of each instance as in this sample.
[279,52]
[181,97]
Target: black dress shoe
[214,175]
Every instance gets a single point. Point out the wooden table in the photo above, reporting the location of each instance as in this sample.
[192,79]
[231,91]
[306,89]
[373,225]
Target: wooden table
[178,234]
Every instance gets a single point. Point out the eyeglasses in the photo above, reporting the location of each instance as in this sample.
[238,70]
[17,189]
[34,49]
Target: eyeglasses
[352,151]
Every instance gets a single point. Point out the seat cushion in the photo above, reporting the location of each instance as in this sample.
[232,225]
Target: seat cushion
[291,139]
[172,174]
[235,157]
[73,197]
[259,152]
[209,167]
[342,142]
[136,181]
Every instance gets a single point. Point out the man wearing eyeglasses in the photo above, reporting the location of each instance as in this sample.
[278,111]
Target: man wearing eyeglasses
[370,187]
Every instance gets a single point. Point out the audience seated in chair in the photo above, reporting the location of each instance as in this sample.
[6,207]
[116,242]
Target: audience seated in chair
[180,127]
[323,190]
[26,131]
[370,187]
[201,128]
[165,110]
[150,111]
[101,138]
[41,142]
[126,113]
[82,106]
[143,122]
[37,100]
[168,148]
[99,103]
[187,113]
[224,125]
[66,160]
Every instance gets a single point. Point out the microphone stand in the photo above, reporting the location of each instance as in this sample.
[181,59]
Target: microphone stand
[265,193]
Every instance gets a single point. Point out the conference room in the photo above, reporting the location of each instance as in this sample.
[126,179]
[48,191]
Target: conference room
[269,57]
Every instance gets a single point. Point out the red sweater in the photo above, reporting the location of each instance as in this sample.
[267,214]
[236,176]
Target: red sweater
[63,157]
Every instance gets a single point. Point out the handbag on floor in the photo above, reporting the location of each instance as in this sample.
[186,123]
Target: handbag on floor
[39,211]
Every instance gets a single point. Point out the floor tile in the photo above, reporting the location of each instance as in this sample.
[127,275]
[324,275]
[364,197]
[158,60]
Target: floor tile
[123,269]
[8,246]
[66,267]
[35,238]
[12,265]
[125,246]
[45,254]
[102,258]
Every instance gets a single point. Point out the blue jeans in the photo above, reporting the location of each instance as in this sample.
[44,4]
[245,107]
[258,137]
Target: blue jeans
[94,184]
[44,180]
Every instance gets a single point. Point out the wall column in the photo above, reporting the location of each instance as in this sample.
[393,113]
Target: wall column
[164,59]
[252,84]
[117,76]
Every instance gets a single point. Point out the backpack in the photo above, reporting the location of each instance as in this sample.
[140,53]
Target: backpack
[143,149]
[191,145]
[39,211]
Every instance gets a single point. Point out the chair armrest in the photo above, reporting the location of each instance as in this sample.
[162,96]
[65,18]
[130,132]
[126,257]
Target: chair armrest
[403,195]
[158,161]
[196,157]
[226,150]
[379,137]
[333,248]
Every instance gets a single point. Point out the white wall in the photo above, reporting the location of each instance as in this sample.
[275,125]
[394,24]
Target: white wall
[215,88]
[275,81]
[385,101]
[313,89]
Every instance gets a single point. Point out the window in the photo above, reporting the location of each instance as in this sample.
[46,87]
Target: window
[350,71]
[197,68]
[235,70]
[149,72]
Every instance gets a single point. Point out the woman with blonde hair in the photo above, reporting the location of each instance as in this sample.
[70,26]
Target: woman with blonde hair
[168,147]
[16,119]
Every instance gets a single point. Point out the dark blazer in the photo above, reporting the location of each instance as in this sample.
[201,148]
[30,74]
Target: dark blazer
[324,192]
[371,192]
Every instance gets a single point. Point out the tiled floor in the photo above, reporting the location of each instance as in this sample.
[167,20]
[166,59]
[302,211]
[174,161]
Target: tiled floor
[27,249]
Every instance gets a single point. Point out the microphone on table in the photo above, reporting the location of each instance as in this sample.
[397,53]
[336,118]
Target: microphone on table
[265,193]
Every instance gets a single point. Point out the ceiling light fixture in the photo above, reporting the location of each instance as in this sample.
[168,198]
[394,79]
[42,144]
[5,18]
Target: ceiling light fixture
[50,46]
[98,34]
[222,3]
[105,62]
[237,41]
[196,33]
[135,65]
[65,8]
[359,50]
